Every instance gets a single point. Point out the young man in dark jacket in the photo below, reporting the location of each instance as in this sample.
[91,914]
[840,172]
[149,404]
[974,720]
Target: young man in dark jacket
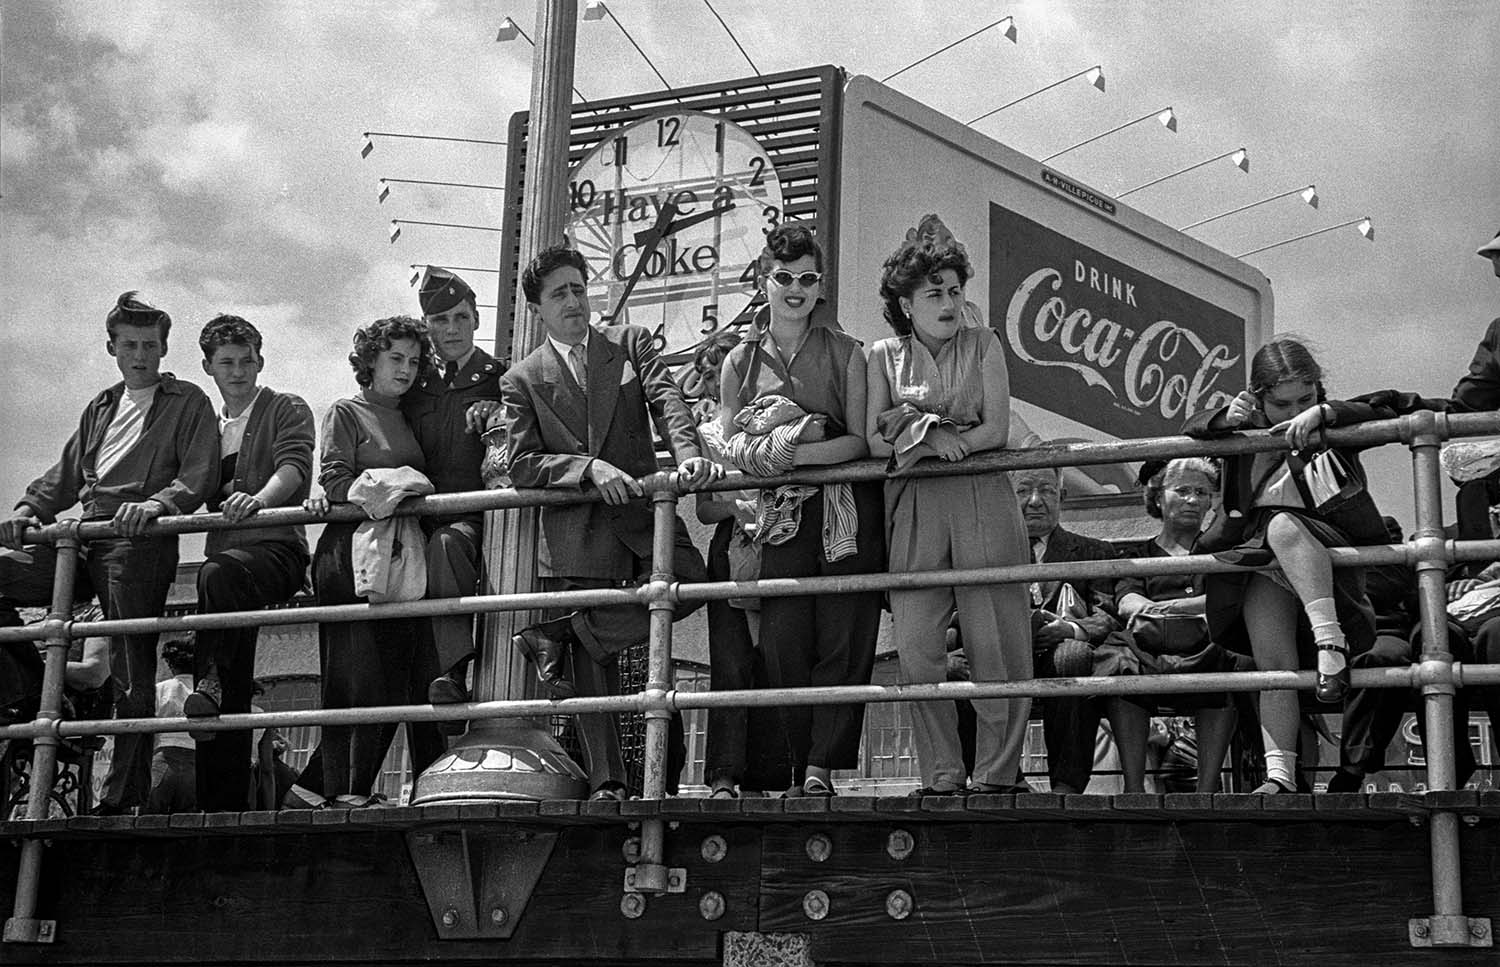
[145,447]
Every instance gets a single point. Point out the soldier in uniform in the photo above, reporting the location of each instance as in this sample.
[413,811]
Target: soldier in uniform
[447,413]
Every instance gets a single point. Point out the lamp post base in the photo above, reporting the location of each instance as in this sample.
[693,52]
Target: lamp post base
[501,759]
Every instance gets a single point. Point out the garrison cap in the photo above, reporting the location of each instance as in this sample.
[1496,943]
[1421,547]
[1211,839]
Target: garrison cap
[441,290]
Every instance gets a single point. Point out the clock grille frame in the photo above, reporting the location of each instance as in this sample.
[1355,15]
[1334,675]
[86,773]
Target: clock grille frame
[795,115]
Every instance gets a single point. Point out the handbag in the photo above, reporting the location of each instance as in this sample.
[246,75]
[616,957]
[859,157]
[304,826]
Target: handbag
[1325,481]
[1169,634]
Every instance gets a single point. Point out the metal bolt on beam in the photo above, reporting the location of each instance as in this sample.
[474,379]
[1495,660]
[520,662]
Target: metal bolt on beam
[819,847]
[631,849]
[1450,931]
[714,848]
[815,904]
[899,844]
[711,905]
[498,916]
[898,904]
[450,917]
[632,905]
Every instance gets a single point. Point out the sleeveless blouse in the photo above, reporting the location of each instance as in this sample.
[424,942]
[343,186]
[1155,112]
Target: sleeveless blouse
[950,385]
[815,378]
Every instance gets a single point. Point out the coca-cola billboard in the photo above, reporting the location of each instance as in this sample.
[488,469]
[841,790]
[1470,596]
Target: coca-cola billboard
[1104,343]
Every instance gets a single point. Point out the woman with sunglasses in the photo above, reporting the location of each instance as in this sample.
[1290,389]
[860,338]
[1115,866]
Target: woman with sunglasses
[939,390]
[795,349]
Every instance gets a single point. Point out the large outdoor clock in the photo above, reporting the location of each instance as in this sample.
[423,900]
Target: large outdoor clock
[672,213]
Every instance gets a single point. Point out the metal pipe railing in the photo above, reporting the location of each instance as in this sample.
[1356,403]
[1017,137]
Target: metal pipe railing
[1437,674]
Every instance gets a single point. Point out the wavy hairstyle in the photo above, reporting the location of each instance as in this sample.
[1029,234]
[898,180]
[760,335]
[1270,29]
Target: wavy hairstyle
[914,263]
[372,340]
[1158,480]
[788,242]
[226,330]
[131,310]
[547,261]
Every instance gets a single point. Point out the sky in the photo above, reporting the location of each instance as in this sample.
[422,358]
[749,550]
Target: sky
[208,154]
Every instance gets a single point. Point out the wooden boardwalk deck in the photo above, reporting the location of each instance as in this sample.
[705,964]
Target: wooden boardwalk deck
[1031,879]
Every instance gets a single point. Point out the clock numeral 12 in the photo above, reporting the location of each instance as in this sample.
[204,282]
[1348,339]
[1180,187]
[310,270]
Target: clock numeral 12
[668,131]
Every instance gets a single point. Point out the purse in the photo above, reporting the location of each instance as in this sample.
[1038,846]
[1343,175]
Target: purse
[1169,634]
[1326,481]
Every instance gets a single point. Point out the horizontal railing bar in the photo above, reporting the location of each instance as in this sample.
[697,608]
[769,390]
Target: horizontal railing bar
[1396,676]
[1373,555]
[1062,455]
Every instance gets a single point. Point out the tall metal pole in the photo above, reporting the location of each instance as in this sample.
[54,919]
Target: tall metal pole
[23,925]
[468,772]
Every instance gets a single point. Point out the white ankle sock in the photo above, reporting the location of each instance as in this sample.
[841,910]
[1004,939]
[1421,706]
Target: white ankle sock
[1322,614]
[1282,766]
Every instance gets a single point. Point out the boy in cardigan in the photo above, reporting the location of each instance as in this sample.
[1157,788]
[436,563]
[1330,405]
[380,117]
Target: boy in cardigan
[266,439]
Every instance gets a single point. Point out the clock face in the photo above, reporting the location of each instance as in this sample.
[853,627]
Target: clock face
[699,277]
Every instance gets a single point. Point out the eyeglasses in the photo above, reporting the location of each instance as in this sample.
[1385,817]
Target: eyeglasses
[807,279]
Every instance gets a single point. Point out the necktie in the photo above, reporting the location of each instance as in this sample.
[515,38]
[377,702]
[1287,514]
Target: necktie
[580,372]
[449,372]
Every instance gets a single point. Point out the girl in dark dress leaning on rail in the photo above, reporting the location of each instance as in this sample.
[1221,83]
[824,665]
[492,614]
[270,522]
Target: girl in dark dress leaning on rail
[1288,507]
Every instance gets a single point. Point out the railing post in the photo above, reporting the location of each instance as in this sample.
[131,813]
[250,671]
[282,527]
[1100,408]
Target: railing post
[651,873]
[23,926]
[1447,927]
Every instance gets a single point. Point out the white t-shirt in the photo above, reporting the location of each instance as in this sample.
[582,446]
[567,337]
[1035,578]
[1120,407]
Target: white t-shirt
[170,694]
[232,428]
[125,429]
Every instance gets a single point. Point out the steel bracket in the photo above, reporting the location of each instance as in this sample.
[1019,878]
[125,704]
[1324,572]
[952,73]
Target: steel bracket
[1451,932]
[30,930]
[477,881]
[676,880]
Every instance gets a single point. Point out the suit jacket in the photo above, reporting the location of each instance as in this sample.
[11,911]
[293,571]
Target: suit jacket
[555,433]
[1478,390]
[1098,593]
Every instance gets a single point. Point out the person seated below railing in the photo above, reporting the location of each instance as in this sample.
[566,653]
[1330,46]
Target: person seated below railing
[939,390]
[1287,507]
[580,407]
[174,780]
[145,447]
[87,693]
[1167,628]
[1072,622]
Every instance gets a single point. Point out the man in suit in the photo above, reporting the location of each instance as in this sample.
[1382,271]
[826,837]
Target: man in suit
[1069,620]
[580,409]
[447,413]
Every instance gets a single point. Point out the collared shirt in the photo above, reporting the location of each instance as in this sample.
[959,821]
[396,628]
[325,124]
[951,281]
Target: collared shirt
[815,376]
[565,350]
[232,428]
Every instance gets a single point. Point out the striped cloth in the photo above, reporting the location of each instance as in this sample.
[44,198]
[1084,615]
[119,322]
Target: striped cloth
[766,450]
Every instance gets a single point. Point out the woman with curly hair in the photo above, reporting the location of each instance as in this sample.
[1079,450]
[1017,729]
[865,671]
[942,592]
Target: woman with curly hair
[796,357]
[368,663]
[940,390]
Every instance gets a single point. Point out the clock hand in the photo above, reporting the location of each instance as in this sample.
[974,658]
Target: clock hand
[678,224]
[647,241]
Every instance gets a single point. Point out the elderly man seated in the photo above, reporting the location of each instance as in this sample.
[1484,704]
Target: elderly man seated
[1070,622]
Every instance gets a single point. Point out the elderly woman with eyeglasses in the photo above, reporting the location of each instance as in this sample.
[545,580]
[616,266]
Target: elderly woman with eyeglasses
[795,351]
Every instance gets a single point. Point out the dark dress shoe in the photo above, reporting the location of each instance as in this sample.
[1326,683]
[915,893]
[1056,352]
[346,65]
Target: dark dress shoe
[609,792]
[445,690]
[1331,689]
[546,646]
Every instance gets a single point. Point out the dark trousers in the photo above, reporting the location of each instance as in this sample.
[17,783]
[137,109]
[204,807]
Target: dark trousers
[172,783]
[825,639]
[453,564]
[1473,513]
[366,663]
[238,579]
[131,578]
[1070,724]
[604,631]
[747,745]
[1373,715]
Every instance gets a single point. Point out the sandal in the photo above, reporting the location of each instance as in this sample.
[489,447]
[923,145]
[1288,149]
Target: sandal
[1332,689]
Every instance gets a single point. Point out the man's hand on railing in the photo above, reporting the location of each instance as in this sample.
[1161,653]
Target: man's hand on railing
[131,520]
[697,471]
[317,504]
[614,484]
[13,529]
[477,419]
[238,506]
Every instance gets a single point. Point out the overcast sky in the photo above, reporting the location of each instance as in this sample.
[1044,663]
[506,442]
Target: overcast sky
[208,154]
